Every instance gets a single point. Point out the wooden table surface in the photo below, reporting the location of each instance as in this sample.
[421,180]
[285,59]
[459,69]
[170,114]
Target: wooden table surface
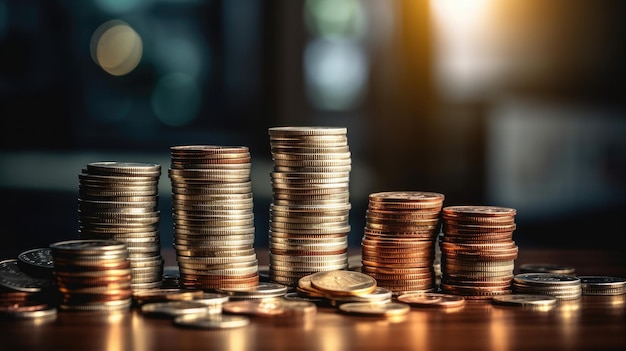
[591,323]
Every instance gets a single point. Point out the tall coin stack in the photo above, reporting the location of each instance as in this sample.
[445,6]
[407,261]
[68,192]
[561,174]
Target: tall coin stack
[477,251]
[92,275]
[398,245]
[213,216]
[119,201]
[309,213]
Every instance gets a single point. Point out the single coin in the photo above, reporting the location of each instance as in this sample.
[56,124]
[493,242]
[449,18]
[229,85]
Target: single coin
[175,308]
[524,300]
[165,294]
[12,277]
[214,321]
[343,282]
[257,307]
[546,268]
[375,309]
[431,299]
[46,312]
[265,289]
[37,262]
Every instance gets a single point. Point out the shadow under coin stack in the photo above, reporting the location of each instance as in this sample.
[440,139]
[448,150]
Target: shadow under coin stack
[92,275]
[310,206]
[119,201]
[398,245]
[213,216]
[477,251]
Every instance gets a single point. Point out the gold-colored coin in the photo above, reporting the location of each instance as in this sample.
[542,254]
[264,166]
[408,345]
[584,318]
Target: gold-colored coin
[343,282]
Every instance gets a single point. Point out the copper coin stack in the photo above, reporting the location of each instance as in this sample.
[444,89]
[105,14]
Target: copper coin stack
[119,201]
[212,208]
[92,275]
[398,245]
[477,251]
[310,205]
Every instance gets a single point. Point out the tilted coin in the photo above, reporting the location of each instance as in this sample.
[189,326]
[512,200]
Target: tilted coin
[12,277]
[36,262]
[425,299]
[211,321]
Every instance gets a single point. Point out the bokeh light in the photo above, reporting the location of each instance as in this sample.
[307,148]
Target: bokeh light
[116,47]
[336,73]
[176,99]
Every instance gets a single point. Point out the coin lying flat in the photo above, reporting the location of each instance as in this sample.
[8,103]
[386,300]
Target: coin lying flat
[525,300]
[343,282]
[215,321]
[546,268]
[375,309]
[175,308]
[431,299]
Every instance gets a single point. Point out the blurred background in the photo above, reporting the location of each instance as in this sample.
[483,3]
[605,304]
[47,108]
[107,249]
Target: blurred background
[516,103]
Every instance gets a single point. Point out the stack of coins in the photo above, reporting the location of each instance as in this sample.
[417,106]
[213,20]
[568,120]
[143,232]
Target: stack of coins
[398,245]
[92,275]
[213,216]
[119,201]
[477,250]
[310,207]
[561,286]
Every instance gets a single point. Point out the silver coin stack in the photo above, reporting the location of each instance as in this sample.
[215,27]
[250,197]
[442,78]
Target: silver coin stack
[119,201]
[92,275]
[212,208]
[561,286]
[309,213]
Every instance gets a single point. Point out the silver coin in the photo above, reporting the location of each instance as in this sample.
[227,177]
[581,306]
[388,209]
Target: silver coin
[174,308]
[12,277]
[525,300]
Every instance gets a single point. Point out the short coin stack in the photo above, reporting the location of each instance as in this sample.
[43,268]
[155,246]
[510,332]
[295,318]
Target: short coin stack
[398,245]
[477,251]
[119,201]
[92,275]
[212,208]
[309,213]
[561,286]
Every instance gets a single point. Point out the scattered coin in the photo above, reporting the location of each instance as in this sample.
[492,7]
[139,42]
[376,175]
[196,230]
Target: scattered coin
[175,308]
[525,300]
[546,268]
[343,282]
[431,299]
[12,277]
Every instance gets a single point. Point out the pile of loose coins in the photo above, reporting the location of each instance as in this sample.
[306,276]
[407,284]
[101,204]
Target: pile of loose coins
[310,206]
[398,245]
[23,292]
[119,201]
[212,208]
[477,251]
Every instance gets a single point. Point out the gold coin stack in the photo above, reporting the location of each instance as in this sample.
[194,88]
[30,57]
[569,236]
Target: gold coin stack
[310,206]
[398,245]
[477,251]
[119,201]
[213,216]
[92,275]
